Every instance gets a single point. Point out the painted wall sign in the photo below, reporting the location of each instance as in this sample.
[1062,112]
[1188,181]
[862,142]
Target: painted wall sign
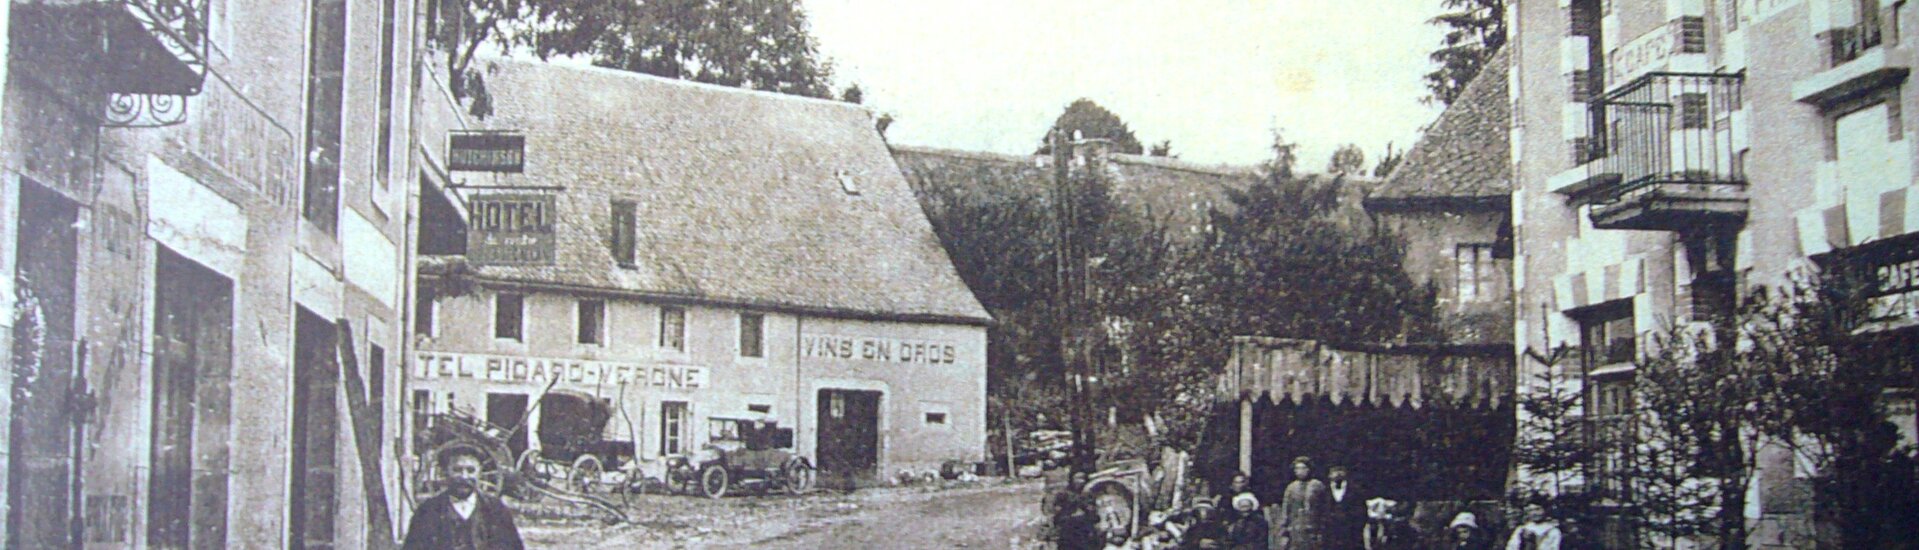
[889,350]
[1642,55]
[491,151]
[540,370]
[1895,290]
[510,229]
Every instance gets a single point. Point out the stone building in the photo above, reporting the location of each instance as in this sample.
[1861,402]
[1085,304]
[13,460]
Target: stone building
[711,254]
[1671,156]
[198,199]
[1450,201]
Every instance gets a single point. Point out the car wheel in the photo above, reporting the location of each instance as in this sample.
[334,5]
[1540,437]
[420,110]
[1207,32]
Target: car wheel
[713,481]
[799,476]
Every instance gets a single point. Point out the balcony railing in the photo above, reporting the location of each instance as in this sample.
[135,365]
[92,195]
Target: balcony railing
[1848,43]
[1665,157]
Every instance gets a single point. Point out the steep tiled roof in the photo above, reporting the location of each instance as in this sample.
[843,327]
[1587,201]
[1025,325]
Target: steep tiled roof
[739,195]
[1466,153]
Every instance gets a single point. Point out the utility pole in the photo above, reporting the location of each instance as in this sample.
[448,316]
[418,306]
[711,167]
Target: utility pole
[1071,249]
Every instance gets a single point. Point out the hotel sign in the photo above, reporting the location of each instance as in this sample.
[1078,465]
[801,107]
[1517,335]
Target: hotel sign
[542,370]
[494,151]
[510,229]
[888,350]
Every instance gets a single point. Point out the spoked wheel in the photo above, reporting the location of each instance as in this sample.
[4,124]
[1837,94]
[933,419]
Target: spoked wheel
[585,473]
[799,476]
[713,481]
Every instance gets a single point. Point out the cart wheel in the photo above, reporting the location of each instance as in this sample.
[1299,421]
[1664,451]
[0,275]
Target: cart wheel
[713,481]
[798,474]
[586,472]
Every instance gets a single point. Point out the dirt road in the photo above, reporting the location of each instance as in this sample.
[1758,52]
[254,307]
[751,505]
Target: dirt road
[984,516]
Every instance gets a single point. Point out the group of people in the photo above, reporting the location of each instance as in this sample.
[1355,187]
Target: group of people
[1312,514]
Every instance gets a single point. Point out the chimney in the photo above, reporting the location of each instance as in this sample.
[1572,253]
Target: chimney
[1093,154]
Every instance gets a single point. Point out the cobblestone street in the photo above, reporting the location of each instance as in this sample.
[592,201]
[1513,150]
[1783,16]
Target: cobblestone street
[986,515]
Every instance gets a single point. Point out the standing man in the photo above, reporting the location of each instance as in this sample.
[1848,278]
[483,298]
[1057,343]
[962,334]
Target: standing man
[462,517]
[1303,510]
[1347,519]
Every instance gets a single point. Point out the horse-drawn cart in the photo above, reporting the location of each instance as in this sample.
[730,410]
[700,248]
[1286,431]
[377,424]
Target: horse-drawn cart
[527,477]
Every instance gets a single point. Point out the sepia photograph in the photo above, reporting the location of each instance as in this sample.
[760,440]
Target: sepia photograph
[931,274]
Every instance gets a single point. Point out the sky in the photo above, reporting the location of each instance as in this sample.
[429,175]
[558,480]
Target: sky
[1214,76]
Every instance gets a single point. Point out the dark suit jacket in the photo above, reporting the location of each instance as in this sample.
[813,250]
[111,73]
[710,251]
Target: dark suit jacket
[1344,525]
[436,526]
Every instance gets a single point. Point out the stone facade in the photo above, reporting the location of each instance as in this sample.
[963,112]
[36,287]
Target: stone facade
[690,214]
[187,283]
[1668,156]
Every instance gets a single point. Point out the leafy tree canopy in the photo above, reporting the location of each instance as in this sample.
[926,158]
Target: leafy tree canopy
[1474,30]
[1347,160]
[1088,120]
[755,44]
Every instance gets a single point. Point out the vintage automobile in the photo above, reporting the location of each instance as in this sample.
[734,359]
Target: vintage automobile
[742,452]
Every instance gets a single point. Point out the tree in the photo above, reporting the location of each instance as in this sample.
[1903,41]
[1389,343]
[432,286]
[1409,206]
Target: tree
[1696,445]
[1388,162]
[1162,149]
[1286,260]
[853,94]
[1347,160]
[1084,119]
[755,44]
[1474,30]
[1824,394]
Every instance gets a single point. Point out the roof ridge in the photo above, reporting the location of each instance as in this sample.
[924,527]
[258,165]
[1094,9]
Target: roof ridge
[623,73]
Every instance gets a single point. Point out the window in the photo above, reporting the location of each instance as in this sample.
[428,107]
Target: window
[673,328]
[1607,340]
[508,310]
[326,97]
[759,409]
[936,418]
[383,144]
[624,233]
[673,425]
[424,322]
[1476,276]
[752,335]
[592,322]
[1606,335]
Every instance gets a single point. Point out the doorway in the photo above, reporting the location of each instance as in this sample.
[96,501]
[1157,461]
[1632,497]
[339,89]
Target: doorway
[508,411]
[849,432]
[313,496]
[41,444]
[192,354]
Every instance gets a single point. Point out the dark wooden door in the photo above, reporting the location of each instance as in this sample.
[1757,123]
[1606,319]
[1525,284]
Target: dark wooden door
[41,444]
[192,336]
[849,433]
[314,496]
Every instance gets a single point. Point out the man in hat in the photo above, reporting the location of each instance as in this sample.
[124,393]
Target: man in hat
[1249,530]
[1303,510]
[462,517]
[1348,514]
